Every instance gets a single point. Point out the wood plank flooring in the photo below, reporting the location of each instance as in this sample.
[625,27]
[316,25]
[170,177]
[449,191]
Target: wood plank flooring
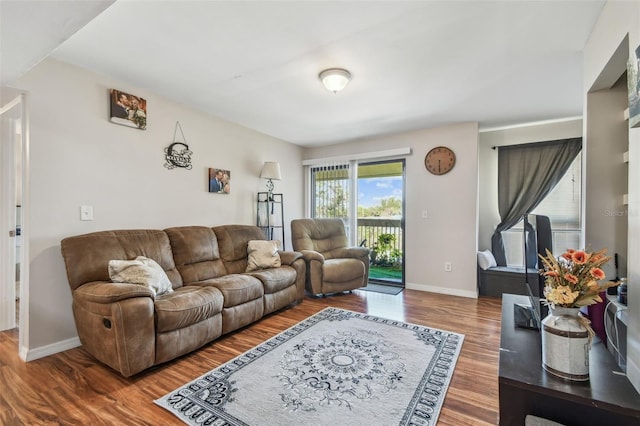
[71,388]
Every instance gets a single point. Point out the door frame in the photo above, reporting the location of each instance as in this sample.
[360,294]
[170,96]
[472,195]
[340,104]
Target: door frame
[8,222]
[351,165]
[403,161]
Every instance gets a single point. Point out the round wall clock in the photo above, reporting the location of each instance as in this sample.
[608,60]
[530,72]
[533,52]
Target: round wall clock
[440,160]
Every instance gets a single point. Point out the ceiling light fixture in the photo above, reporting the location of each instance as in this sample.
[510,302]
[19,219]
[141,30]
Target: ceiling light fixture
[335,79]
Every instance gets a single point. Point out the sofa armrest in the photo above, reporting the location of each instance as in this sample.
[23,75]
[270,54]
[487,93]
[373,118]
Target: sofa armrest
[107,292]
[116,324]
[300,265]
[355,252]
[310,255]
[288,257]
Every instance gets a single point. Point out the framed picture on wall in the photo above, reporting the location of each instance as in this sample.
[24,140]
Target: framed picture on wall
[219,181]
[127,109]
[633,83]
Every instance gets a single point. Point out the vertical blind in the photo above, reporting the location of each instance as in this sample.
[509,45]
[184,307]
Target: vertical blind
[330,187]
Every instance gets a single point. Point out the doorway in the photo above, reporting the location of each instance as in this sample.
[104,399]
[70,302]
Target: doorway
[13,134]
[369,198]
[380,219]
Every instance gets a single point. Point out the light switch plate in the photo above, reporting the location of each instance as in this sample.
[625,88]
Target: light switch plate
[86,212]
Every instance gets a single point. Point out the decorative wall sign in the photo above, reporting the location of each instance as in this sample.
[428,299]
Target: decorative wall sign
[128,110]
[219,181]
[178,155]
[633,83]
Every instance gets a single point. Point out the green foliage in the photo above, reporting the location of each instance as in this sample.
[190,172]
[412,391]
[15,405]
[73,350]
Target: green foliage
[385,273]
[383,253]
[388,207]
[332,199]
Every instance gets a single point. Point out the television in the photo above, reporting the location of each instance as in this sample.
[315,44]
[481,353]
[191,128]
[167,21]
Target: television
[537,239]
[528,315]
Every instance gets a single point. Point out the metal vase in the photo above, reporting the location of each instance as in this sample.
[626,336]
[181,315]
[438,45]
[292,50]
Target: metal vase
[565,344]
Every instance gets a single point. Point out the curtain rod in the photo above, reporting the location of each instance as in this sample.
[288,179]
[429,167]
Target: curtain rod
[528,124]
[521,145]
[362,156]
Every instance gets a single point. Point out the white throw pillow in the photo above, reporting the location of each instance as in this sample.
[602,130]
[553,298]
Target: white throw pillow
[143,271]
[486,260]
[263,254]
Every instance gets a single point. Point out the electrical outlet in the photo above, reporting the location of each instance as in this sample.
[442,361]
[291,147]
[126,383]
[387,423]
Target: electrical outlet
[447,266]
[425,214]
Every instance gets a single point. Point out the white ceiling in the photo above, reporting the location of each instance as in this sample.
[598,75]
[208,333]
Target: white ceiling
[415,64]
[30,30]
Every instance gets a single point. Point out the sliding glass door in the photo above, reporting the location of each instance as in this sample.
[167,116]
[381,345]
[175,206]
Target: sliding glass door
[369,198]
[380,218]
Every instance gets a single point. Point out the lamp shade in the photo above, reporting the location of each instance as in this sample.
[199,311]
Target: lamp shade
[335,79]
[271,170]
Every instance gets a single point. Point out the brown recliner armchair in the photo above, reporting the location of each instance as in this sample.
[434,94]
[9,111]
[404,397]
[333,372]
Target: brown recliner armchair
[332,266]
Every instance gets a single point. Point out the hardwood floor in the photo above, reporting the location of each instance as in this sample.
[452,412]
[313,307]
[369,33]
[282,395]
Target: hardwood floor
[71,388]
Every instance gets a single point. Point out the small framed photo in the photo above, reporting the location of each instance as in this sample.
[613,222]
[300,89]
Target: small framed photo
[128,110]
[219,181]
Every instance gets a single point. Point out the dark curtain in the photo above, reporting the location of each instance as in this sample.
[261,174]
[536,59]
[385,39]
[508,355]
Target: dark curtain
[526,174]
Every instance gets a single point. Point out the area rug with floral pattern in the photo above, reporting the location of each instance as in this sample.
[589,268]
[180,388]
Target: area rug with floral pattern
[336,367]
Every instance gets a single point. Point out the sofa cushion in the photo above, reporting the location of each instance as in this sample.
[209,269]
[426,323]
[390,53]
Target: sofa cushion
[196,253]
[186,306]
[236,289]
[141,270]
[486,260]
[342,270]
[263,254]
[326,236]
[233,241]
[87,256]
[276,279]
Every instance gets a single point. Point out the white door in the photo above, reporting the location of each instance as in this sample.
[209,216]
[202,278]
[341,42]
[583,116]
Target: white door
[11,253]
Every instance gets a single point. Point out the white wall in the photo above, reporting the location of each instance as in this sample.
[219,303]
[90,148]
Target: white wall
[449,234]
[606,174]
[78,157]
[617,21]
[488,216]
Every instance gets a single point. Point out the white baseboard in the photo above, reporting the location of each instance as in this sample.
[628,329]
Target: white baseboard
[53,348]
[442,290]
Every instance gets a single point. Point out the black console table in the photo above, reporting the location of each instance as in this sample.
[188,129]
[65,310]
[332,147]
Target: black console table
[608,398]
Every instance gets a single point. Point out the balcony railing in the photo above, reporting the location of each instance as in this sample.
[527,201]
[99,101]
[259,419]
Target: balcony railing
[369,229]
[386,258]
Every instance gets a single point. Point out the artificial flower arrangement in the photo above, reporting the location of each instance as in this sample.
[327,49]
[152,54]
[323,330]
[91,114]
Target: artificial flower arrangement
[574,279]
[139,117]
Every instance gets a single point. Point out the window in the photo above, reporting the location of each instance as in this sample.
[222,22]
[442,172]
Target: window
[562,206]
[330,191]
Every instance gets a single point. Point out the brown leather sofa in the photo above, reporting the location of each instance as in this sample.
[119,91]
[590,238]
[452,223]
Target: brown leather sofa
[124,326]
[332,266]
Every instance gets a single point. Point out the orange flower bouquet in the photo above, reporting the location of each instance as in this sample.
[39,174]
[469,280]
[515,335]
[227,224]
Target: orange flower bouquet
[574,279]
